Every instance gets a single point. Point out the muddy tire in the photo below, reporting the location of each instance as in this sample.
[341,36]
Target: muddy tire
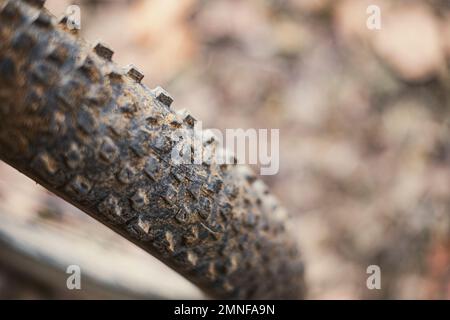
[90,132]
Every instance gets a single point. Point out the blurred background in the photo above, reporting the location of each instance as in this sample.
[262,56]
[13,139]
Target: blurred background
[364,119]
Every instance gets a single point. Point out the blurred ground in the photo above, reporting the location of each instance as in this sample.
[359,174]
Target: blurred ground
[364,118]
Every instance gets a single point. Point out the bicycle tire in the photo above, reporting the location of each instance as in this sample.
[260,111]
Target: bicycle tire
[94,135]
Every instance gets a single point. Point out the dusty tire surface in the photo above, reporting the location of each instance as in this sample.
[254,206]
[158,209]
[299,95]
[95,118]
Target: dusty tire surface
[90,132]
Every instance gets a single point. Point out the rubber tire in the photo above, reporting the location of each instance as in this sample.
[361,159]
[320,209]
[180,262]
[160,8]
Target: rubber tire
[93,134]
